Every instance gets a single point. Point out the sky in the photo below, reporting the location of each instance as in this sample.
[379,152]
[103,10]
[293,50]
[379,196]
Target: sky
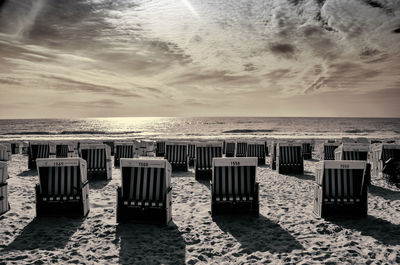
[119,58]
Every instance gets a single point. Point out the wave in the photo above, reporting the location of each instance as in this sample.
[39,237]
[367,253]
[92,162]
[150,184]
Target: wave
[359,131]
[249,131]
[69,132]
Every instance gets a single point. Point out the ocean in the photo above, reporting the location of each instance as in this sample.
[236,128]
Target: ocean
[198,128]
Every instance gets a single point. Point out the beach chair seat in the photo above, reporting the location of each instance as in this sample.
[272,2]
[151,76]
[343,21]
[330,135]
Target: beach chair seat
[37,150]
[328,150]
[4,205]
[192,153]
[256,149]
[273,156]
[289,158]
[241,149]
[160,148]
[63,187]
[307,151]
[205,152]
[98,158]
[352,151]
[177,156]
[233,186]
[230,148]
[384,162]
[145,193]
[341,188]
[123,150]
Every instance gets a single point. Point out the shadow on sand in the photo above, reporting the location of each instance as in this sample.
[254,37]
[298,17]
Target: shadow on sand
[384,193]
[382,230]
[258,234]
[306,176]
[45,233]
[98,184]
[150,244]
[28,173]
[205,182]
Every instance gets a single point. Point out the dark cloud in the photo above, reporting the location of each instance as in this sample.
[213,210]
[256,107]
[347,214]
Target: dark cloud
[283,49]
[396,30]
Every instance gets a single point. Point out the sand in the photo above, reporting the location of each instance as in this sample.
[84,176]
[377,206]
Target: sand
[285,232]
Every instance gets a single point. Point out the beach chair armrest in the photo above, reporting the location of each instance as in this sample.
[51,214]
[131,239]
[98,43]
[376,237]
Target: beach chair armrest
[85,183]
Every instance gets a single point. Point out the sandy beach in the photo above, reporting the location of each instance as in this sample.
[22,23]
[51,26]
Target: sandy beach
[286,231]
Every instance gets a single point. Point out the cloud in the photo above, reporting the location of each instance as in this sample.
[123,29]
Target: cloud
[283,49]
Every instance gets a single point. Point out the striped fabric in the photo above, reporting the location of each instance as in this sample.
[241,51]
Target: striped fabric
[4,153]
[234,183]
[60,183]
[307,150]
[176,154]
[124,151]
[390,153]
[95,158]
[143,186]
[380,154]
[290,155]
[256,150]
[329,151]
[40,151]
[354,155]
[62,150]
[204,156]
[230,149]
[160,148]
[241,149]
[192,151]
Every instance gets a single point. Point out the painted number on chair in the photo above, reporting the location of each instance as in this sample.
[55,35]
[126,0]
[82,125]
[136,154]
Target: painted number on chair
[142,164]
[58,164]
[344,166]
[235,163]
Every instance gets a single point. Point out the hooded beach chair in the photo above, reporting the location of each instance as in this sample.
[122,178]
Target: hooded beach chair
[37,150]
[273,156]
[4,205]
[111,145]
[328,150]
[98,158]
[307,150]
[241,149]
[352,151]
[145,148]
[160,148]
[145,193]
[192,153]
[123,150]
[341,188]
[256,149]
[382,156]
[289,158]
[177,156]
[4,154]
[63,187]
[230,148]
[205,152]
[233,186]
[62,149]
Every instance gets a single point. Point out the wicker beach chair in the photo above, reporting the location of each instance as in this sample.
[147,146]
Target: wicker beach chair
[352,151]
[62,149]
[98,158]
[123,150]
[111,145]
[289,158]
[145,193]
[192,153]
[307,151]
[160,148]
[205,152]
[241,149]
[4,154]
[341,188]
[4,205]
[383,156]
[233,186]
[177,155]
[63,187]
[37,150]
[230,148]
[256,149]
[328,150]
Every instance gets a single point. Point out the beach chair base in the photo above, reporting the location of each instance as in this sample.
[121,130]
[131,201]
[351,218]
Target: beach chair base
[203,174]
[307,156]
[98,175]
[261,161]
[74,206]
[4,205]
[144,214]
[180,167]
[236,207]
[295,169]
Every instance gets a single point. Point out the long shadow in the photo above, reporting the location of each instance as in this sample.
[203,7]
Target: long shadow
[28,173]
[258,234]
[384,193]
[98,184]
[205,182]
[150,244]
[184,174]
[305,176]
[46,234]
[382,230]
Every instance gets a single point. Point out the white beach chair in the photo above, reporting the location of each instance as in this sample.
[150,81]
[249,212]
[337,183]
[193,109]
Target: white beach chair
[98,158]
[145,193]
[205,152]
[123,150]
[289,158]
[4,154]
[352,151]
[341,188]
[233,186]
[381,157]
[177,155]
[256,149]
[63,187]
[4,205]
